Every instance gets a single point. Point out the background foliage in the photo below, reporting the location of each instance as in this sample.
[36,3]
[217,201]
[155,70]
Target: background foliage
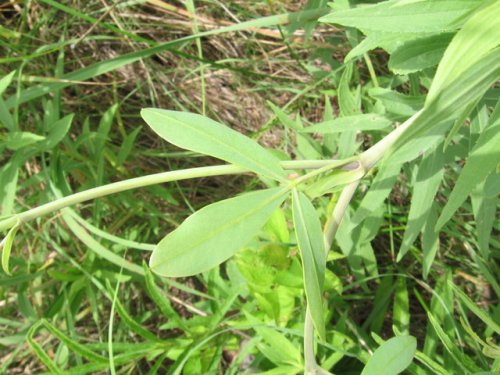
[413,256]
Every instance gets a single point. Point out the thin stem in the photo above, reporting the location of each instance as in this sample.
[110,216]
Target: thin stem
[309,360]
[371,70]
[382,148]
[334,221]
[138,182]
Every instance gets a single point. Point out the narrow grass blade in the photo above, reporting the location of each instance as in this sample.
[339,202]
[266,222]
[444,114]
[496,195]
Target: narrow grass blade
[401,307]
[134,325]
[484,207]
[379,191]
[462,360]
[201,134]
[104,67]
[429,176]
[310,240]
[118,240]
[481,162]
[215,233]
[40,353]
[477,311]
[78,348]
[161,301]
[96,247]
[392,357]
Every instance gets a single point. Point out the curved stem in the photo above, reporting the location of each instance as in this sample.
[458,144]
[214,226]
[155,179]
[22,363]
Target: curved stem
[153,179]
[333,223]
[382,148]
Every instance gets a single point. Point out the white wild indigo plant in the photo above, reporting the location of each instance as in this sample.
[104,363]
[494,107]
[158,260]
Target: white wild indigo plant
[461,37]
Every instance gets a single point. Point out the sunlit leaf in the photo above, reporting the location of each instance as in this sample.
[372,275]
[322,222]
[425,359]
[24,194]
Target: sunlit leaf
[201,134]
[310,240]
[392,357]
[17,139]
[396,16]
[478,36]
[419,54]
[215,233]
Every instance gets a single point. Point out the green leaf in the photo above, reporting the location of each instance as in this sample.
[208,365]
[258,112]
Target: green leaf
[161,301]
[9,174]
[40,353]
[420,16]
[335,180]
[349,105]
[356,122]
[17,139]
[95,246]
[401,307]
[6,247]
[430,241]
[378,192]
[449,103]
[478,36]
[419,54]
[429,176]
[311,245]
[215,233]
[278,349]
[392,357]
[6,81]
[134,326]
[283,117]
[465,362]
[57,132]
[484,207]
[396,103]
[201,134]
[481,162]
[480,313]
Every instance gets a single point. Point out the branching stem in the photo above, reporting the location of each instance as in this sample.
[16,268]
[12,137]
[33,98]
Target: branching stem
[139,182]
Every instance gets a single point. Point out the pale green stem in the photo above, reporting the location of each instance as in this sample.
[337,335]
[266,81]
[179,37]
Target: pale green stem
[138,182]
[309,360]
[369,65]
[334,221]
[382,148]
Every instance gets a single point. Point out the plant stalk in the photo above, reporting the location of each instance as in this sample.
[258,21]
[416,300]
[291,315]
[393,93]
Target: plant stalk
[384,147]
[310,365]
[138,182]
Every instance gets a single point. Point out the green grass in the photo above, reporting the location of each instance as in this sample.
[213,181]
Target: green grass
[80,297]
